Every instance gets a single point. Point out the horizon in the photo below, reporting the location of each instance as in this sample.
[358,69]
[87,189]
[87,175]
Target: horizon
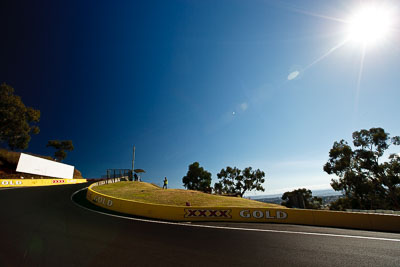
[266,84]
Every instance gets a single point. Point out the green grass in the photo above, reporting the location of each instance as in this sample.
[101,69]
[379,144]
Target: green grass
[148,193]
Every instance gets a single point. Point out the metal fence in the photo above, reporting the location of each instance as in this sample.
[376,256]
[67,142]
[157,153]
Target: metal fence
[119,173]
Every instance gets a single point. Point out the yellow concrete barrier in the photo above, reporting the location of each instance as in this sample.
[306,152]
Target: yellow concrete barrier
[367,221]
[38,182]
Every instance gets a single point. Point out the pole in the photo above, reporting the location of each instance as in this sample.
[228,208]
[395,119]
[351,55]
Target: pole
[133,160]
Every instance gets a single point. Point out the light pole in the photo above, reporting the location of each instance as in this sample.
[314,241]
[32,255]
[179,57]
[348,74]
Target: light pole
[133,160]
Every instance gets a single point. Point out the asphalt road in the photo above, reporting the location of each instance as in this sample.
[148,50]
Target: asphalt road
[43,227]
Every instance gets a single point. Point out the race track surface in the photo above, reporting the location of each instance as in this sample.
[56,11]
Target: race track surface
[43,227]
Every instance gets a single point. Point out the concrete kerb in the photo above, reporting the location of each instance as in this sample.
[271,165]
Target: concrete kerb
[366,221]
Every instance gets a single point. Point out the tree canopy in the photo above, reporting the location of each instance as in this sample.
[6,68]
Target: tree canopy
[367,181]
[61,147]
[17,120]
[197,178]
[234,181]
[301,198]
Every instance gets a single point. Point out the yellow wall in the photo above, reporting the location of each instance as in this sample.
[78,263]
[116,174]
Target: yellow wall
[366,221]
[38,182]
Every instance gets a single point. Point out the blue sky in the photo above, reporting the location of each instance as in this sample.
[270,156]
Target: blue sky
[202,81]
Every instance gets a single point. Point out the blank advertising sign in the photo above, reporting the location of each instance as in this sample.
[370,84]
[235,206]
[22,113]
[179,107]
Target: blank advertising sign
[39,166]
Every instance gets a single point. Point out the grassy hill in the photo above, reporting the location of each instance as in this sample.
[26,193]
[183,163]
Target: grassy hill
[9,161]
[149,193]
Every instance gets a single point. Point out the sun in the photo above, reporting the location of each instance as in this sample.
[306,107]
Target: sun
[370,24]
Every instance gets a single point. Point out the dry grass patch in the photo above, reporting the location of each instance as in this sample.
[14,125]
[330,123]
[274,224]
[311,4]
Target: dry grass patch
[148,193]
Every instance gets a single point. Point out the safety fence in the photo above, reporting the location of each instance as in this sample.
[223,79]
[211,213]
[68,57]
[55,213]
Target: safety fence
[38,182]
[367,221]
[119,173]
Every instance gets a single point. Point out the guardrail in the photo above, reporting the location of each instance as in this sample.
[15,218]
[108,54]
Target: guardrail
[38,182]
[367,221]
[108,181]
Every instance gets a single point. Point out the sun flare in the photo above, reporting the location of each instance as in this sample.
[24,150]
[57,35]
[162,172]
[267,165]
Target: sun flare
[370,24]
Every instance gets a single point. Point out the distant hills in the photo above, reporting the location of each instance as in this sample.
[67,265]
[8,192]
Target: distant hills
[327,195]
[317,193]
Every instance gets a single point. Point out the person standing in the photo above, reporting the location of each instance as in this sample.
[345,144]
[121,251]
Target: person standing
[165,183]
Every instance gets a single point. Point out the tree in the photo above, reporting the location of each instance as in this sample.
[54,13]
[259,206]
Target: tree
[227,183]
[17,122]
[218,188]
[233,181]
[366,180]
[60,147]
[301,198]
[197,178]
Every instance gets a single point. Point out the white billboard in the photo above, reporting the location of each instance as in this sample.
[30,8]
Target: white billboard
[39,166]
